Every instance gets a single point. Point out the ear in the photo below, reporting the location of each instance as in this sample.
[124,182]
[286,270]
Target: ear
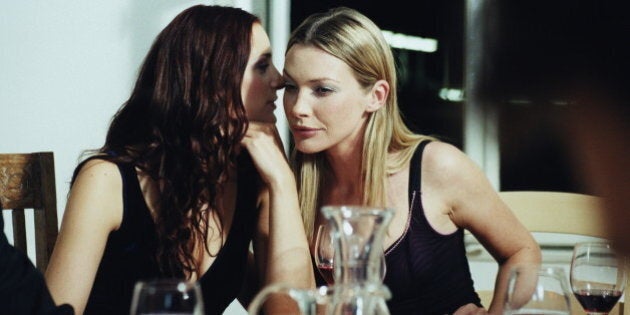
[378,96]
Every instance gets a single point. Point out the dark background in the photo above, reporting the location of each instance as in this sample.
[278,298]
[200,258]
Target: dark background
[539,55]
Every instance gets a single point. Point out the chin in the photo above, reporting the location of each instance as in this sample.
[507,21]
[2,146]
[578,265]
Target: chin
[270,119]
[307,149]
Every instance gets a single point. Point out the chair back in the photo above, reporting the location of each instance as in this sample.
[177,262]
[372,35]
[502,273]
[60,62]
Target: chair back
[27,181]
[557,212]
[561,213]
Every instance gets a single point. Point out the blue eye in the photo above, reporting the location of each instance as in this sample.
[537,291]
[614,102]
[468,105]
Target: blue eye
[323,90]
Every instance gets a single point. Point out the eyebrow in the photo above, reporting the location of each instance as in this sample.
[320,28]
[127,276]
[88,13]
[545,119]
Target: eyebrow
[320,79]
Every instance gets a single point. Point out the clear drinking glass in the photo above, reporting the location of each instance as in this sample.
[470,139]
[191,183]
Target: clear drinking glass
[533,289]
[598,276]
[167,296]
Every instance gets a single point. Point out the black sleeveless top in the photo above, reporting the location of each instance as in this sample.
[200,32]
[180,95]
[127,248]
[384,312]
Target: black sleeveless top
[129,254]
[427,272]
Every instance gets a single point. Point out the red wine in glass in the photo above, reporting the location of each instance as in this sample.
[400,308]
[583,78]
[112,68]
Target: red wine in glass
[324,253]
[598,276]
[597,301]
[326,270]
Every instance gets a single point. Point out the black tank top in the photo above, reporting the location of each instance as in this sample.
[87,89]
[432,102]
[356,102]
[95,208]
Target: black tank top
[427,272]
[129,254]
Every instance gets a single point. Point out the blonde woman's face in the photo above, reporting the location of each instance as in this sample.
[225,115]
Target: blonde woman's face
[261,79]
[324,103]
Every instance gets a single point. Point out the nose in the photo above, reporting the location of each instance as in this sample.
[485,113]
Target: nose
[277,81]
[295,104]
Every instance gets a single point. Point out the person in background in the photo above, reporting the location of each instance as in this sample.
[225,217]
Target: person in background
[191,173]
[601,154]
[593,123]
[352,147]
[22,287]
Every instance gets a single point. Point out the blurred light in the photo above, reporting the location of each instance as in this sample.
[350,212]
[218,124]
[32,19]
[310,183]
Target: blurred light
[453,95]
[519,101]
[403,41]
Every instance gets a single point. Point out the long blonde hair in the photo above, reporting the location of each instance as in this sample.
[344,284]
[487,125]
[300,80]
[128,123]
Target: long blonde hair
[353,38]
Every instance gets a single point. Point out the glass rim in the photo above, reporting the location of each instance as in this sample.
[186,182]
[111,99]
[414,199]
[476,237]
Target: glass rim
[367,286]
[539,268]
[361,209]
[162,283]
[606,245]
[602,243]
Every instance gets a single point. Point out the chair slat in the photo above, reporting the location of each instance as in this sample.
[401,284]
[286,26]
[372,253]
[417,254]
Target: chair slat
[27,181]
[19,229]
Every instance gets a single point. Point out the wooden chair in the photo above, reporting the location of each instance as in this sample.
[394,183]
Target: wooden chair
[27,181]
[558,212]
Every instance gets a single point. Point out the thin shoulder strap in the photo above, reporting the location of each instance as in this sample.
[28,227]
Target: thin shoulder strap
[414,169]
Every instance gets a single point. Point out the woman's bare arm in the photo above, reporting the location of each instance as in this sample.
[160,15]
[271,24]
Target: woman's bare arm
[285,254]
[470,201]
[94,209]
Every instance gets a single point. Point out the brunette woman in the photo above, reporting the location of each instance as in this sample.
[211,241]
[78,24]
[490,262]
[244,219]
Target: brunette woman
[191,173]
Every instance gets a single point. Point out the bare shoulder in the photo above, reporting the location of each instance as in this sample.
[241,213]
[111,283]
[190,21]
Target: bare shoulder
[97,192]
[100,175]
[445,158]
[449,170]
[97,168]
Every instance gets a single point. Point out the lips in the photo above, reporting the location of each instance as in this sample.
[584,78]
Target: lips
[304,132]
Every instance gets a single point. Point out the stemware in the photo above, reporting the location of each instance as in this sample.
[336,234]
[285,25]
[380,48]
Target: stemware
[325,254]
[533,289]
[335,299]
[598,276]
[166,296]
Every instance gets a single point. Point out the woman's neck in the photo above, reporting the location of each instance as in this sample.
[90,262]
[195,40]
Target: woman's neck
[346,181]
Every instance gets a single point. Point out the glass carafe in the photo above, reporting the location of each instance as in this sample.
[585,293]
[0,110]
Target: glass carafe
[358,234]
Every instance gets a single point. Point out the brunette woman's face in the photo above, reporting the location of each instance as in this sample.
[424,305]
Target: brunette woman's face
[261,79]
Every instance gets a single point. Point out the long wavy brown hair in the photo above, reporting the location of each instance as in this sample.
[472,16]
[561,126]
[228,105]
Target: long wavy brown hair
[182,123]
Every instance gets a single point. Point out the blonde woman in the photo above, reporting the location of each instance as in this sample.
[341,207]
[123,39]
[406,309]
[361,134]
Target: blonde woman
[352,147]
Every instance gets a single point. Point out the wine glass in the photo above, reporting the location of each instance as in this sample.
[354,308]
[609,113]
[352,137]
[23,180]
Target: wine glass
[598,276]
[325,255]
[167,296]
[533,289]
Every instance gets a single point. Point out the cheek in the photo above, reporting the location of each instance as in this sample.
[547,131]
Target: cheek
[245,88]
[251,93]
[255,89]
[341,110]
[342,119]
